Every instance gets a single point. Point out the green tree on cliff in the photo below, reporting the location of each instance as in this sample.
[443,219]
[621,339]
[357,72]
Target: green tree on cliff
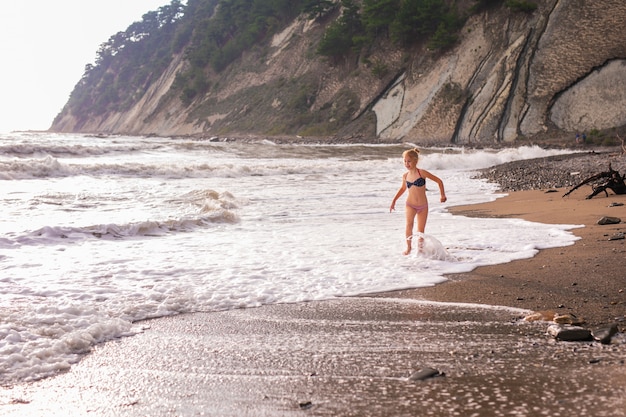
[318,8]
[421,19]
[222,30]
[127,63]
[379,14]
[339,38]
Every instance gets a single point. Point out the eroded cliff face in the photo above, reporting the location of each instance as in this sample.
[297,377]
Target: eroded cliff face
[560,69]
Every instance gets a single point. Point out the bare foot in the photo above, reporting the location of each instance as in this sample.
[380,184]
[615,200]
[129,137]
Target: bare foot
[407,251]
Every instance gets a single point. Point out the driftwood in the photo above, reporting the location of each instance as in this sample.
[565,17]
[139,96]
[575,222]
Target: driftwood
[611,180]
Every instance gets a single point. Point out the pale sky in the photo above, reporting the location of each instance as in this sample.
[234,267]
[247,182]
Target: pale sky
[44,47]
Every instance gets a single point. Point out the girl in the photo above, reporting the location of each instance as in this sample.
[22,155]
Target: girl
[416,203]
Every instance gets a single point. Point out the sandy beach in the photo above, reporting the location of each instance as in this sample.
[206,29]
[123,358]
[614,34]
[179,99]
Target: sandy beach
[355,356]
[586,279]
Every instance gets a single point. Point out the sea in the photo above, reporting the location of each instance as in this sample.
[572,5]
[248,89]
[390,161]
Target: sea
[100,233]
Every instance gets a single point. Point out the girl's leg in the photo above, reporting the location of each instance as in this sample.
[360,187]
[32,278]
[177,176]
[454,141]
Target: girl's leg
[422,216]
[410,220]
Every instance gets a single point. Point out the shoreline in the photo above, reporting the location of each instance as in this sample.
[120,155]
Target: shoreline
[355,355]
[584,279]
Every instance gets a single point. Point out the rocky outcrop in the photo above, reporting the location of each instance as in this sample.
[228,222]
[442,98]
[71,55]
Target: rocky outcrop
[144,117]
[512,75]
[597,101]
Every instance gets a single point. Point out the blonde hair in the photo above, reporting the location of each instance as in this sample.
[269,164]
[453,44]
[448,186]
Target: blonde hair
[413,153]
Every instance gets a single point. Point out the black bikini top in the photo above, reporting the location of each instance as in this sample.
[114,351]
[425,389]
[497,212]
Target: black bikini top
[420,182]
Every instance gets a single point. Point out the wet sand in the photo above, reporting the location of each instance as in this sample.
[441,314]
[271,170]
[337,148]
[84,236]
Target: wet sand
[346,357]
[354,356]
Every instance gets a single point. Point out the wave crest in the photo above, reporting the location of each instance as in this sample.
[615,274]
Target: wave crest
[208,208]
[137,229]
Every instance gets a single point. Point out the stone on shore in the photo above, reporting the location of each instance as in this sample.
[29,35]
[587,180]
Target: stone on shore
[569,333]
[609,220]
[605,334]
[425,373]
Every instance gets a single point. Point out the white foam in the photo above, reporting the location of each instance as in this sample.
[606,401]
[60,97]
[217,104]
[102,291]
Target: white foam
[122,229]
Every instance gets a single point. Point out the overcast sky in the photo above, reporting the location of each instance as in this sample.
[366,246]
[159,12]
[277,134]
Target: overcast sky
[44,47]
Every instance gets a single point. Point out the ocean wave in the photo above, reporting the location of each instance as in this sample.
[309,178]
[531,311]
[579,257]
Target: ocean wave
[24,150]
[318,161]
[40,144]
[83,258]
[69,333]
[469,159]
[50,167]
[33,168]
[148,228]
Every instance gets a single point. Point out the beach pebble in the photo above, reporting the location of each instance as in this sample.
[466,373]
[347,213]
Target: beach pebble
[305,405]
[568,333]
[609,220]
[617,236]
[616,204]
[605,334]
[425,373]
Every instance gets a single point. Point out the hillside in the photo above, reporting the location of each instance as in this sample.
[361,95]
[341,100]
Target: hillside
[505,74]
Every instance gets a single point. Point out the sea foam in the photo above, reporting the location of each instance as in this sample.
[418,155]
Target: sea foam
[99,233]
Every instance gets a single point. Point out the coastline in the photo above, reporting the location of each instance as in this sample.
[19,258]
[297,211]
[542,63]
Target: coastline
[355,355]
[585,279]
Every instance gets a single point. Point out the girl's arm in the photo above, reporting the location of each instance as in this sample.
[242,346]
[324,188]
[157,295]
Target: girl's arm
[398,194]
[435,178]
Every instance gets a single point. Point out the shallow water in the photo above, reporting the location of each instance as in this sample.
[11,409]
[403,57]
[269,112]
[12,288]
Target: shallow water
[102,232]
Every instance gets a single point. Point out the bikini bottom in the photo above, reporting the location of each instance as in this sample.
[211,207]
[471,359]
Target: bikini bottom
[418,209]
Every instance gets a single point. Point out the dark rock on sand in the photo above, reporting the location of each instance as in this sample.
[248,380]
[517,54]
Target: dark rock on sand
[605,334]
[568,333]
[306,405]
[609,220]
[425,373]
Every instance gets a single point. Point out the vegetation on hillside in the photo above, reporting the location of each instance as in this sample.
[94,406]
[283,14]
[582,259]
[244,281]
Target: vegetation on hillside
[220,31]
[212,34]
[127,63]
